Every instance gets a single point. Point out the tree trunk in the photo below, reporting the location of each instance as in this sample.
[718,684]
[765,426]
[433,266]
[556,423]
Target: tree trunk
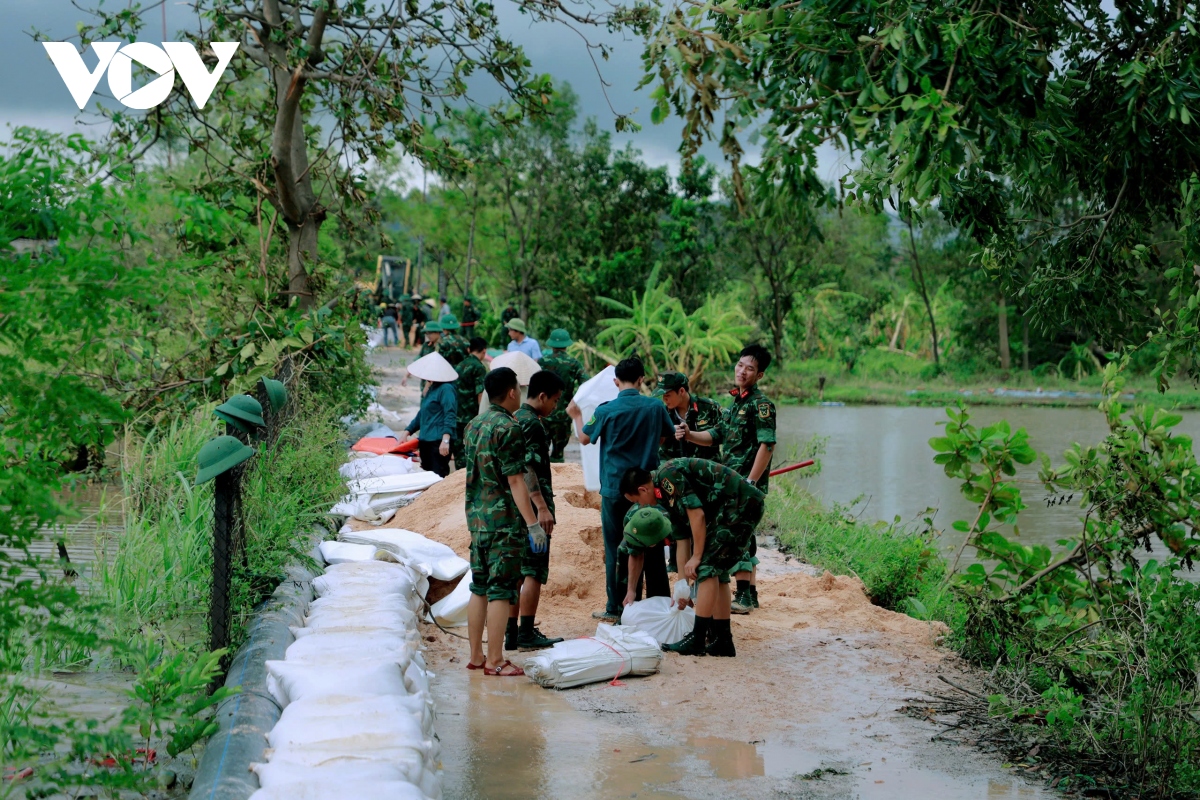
[1024,342]
[777,327]
[920,279]
[1005,361]
[471,240]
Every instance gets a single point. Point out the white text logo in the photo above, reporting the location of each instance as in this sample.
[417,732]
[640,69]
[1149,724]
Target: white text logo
[118,60]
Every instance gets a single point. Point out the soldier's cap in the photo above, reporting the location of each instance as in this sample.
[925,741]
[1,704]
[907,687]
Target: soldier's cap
[559,338]
[242,407]
[432,327]
[449,322]
[647,527]
[670,381]
[516,324]
[405,297]
[221,454]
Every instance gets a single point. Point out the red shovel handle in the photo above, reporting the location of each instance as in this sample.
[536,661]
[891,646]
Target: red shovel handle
[791,467]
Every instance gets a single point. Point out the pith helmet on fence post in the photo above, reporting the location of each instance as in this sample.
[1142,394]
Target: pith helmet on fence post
[276,393]
[220,455]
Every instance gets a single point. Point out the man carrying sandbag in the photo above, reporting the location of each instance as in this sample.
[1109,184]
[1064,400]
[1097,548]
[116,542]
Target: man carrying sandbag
[501,520]
[629,430]
[545,390]
[713,512]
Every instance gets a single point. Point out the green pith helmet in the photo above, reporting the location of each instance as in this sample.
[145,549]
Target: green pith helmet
[559,339]
[516,324]
[432,327]
[405,298]
[221,454]
[234,421]
[276,393]
[647,527]
[243,407]
[449,322]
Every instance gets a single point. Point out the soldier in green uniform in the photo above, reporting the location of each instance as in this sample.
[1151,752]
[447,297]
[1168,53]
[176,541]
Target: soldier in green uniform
[747,439]
[509,313]
[572,373]
[470,317]
[452,346]
[419,316]
[501,520]
[713,512]
[406,320]
[469,388]
[545,392]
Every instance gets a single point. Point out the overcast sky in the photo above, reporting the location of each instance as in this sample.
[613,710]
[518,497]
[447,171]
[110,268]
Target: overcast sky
[34,94]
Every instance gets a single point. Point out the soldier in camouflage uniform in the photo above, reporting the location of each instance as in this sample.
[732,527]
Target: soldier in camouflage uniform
[713,512]
[470,317]
[509,313]
[452,346]
[747,439]
[571,371]
[469,388]
[406,320]
[545,392]
[699,413]
[500,518]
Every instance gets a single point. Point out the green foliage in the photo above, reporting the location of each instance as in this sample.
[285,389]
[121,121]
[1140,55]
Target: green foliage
[658,329]
[1098,643]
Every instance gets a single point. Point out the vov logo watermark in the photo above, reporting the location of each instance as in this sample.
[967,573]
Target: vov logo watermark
[172,57]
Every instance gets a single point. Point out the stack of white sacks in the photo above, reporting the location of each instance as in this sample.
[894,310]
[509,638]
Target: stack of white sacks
[357,717]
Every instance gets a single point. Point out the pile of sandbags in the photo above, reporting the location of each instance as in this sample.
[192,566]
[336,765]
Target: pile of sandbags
[612,653]
[357,716]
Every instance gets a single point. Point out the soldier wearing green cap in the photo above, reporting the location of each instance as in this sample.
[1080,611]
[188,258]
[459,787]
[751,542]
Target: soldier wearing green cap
[419,317]
[452,346]
[713,513]
[469,387]
[573,375]
[470,317]
[509,313]
[699,413]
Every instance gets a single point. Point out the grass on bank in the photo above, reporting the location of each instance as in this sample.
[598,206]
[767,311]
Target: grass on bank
[880,377]
[901,568]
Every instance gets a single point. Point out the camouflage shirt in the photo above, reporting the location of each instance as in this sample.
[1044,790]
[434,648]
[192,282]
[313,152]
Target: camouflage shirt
[686,483]
[426,349]
[537,451]
[453,348]
[469,386]
[702,415]
[571,371]
[749,422]
[495,451]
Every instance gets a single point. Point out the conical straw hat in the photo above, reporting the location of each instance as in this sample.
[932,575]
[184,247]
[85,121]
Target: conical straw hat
[433,367]
[519,363]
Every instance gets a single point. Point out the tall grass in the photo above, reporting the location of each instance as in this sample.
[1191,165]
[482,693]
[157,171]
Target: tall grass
[900,567]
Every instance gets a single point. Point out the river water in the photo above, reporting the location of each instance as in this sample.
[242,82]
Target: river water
[879,456]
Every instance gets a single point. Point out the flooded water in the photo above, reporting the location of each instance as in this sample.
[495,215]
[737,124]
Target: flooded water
[879,456]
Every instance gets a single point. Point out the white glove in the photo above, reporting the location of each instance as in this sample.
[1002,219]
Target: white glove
[538,540]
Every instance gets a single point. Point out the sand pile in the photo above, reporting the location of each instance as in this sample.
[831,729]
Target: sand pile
[791,601]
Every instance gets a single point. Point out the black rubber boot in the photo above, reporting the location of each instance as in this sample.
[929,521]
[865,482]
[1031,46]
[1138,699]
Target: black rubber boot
[693,643]
[754,596]
[722,644]
[510,634]
[533,639]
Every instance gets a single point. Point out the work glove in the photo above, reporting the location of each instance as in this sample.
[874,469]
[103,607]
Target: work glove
[538,540]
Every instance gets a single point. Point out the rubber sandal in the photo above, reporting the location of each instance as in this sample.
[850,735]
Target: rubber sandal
[500,673]
[476,666]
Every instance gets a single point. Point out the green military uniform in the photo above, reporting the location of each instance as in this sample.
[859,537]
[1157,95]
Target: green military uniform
[454,348]
[558,424]
[495,451]
[702,415]
[406,319]
[419,317]
[426,347]
[748,423]
[468,387]
[732,510]
[537,458]
[470,317]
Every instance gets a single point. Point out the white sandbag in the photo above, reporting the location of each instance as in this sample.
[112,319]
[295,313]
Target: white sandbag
[360,628]
[385,415]
[339,618]
[660,617]
[343,735]
[433,558]
[359,599]
[338,789]
[279,773]
[371,507]
[613,652]
[384,578]
[416,679]
[377,467]
[348,648]
[451,610]
[314,710]
[290,682]
[340,552]
[589,395]
[414,481]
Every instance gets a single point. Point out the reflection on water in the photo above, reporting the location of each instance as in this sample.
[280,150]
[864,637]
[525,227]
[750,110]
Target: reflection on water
[881,454]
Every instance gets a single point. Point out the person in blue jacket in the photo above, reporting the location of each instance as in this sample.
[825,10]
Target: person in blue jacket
[435,420]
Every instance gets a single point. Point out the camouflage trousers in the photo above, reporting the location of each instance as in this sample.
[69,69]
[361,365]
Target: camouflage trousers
[536,565]
[457,448]
[560,435]
[496,564]
[727,541]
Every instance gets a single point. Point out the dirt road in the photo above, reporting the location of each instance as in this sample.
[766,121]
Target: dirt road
[807,709]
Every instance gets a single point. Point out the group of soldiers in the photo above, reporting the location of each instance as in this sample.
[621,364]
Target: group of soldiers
[408,319]
[700,486]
